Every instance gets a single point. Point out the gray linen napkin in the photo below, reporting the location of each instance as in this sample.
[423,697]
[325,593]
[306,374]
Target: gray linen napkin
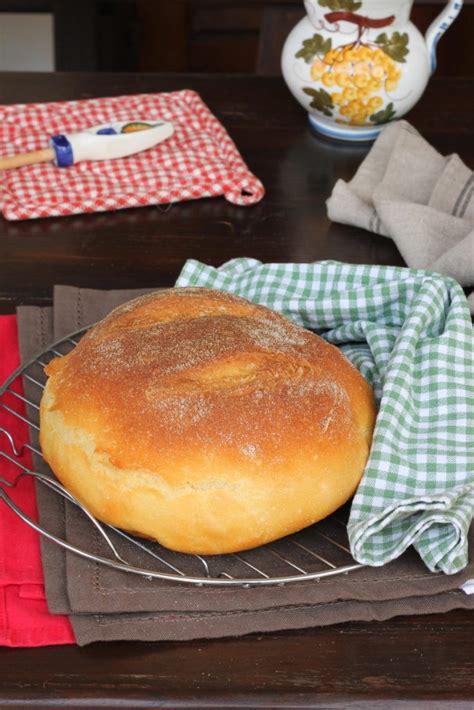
[406,190]
[104,604]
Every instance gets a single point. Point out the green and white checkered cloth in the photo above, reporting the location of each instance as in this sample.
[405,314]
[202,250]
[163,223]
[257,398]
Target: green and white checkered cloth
[409,333]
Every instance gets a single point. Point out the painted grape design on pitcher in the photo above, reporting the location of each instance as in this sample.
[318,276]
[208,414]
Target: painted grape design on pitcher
[355,65]
[358,77]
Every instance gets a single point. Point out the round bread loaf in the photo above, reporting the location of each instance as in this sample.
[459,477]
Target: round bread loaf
[206,422]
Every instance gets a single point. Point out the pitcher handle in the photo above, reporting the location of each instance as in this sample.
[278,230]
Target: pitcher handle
[439,26]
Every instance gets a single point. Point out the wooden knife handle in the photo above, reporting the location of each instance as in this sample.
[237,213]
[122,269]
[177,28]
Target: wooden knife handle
[18,161]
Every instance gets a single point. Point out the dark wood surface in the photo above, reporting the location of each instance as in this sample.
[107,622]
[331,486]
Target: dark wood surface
[204,35]
[148,247]
[414,662]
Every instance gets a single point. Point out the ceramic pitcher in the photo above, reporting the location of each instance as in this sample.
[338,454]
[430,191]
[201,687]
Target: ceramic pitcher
[357,64]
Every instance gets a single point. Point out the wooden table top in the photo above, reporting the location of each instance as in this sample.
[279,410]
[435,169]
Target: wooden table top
[147,247]
[412,662]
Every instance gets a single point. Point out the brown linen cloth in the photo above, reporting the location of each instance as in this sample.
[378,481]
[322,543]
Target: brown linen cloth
[406,190]
[105,604]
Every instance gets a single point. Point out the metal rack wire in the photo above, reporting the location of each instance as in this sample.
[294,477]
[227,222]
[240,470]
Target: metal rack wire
[316,553]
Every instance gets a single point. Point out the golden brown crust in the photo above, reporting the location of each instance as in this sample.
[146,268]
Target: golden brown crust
[205,421]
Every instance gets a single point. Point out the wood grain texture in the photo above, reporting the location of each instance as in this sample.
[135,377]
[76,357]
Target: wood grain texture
[411,663]
[416,663]
[163,30]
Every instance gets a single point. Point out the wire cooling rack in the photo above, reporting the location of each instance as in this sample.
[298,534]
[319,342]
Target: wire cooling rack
[316,553]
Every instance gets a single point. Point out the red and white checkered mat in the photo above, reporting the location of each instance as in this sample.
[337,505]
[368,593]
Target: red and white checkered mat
[199,160]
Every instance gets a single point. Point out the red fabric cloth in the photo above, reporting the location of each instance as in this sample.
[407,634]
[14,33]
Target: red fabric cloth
[24,616]
[198,160]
